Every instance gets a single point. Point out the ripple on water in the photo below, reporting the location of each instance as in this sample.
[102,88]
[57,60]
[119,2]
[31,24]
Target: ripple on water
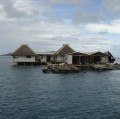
[27,93]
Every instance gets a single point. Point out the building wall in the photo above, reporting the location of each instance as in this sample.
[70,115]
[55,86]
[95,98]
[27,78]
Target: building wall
[60,58]
[52,58]
[69,59]
[24,59]
[104,59]
[44,58]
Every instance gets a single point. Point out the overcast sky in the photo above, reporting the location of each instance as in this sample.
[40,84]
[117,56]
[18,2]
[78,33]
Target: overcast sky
[87,25]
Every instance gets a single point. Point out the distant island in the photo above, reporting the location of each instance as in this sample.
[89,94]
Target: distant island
[8,54]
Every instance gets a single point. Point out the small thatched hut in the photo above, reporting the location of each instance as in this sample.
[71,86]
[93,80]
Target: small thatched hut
[24,55]
[60,54]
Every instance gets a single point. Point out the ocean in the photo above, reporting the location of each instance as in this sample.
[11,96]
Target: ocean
[27,93]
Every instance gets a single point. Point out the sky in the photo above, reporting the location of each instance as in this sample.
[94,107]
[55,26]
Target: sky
[86,25]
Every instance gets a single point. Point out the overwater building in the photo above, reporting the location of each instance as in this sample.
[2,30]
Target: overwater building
[24,55]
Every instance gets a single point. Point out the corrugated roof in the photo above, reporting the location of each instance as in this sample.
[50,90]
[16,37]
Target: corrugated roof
[46,53]
[94,53]
[109,54]
[77,54]
[24,50]
[89,53]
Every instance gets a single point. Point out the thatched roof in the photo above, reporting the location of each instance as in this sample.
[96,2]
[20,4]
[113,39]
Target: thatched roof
[24,50]
[65,49]
[46,53]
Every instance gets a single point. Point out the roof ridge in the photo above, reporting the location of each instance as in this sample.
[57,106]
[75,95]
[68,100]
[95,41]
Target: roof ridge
[59,49]
[64,49]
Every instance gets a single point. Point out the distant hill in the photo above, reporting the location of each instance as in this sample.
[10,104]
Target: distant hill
[8,54]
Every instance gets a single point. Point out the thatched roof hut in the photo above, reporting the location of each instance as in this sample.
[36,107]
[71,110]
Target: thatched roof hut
[24,50]
[65,49]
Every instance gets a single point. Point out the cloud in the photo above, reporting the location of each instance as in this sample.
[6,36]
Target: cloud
[2,13]
[112,6]
[113,27]
[88,17]
[83,10]
[80,2]
[90,11]
[39,24]
[10,10]
[27,9]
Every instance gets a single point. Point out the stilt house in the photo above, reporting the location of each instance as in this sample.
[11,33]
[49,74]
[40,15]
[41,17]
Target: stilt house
[24,55]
